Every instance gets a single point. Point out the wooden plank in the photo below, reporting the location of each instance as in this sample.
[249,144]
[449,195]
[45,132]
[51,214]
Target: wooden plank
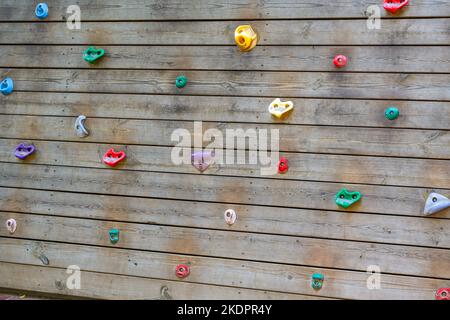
[270,58]
[234,83]
[117,287]
[334,112]
[332,140]
[236,190]
[324,253]
[297,222]
[109,10]
[313,167]
[271,32]
[250,275]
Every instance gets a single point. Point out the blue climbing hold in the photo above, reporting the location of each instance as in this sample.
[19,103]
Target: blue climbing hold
[7,86]
[42,10]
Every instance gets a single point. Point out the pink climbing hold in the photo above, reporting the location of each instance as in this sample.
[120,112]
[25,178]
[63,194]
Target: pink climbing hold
[11,225]
[182,271]
[394,5]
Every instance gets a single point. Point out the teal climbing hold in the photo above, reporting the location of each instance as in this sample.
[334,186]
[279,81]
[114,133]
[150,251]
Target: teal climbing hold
[91,54]
[346,198]
[181,81]
[391,113]
[317,281]
[114,236]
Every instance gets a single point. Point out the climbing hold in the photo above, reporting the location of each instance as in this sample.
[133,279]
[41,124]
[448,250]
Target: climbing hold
[317,281]
[114,236]
[245,37]
[340,61]
[443,294]
[435,203]
[280,109]
[7,86]
[41,10]
[391,113]
[394,5]
[91,54]
[80,129]
[11,225]
[112,158]
[283,165]
[201,160]
[181,81]
[22,150]
[346,198]
[230,216]
[182,271]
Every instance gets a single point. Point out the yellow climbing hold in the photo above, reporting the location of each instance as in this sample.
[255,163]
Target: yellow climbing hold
[280,109]
[245,37]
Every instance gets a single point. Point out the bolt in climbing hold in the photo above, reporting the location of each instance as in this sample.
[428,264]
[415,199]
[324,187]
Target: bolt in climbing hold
[181,81]
[41,10]
[114,236]
[391,113]
[346,198]
[280,109]
[11,225]
[7,86]
[340,61]
[230,216]
[80,129]
[246,38]
[201,160]
[112,158]
[182,271]
[435,203]
[22,150]
[283,165]
[91,54]
[317,281]
[443,294]
[394,5]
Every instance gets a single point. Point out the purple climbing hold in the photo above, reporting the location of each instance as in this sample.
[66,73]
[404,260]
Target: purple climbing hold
[201,160]
[22,150]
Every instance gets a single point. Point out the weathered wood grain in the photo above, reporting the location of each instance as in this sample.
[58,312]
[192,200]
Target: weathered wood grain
[238,83]
[335,112]
[235,190]
[117,287]
[331,140]
[269,58]
[288,32]
[244,274]
[349,255]
[314,167]
[298,222]
[110,10]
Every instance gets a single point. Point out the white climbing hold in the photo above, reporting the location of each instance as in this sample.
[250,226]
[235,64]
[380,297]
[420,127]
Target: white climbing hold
[230,216]
[80,129]
[11,225]
[436,202]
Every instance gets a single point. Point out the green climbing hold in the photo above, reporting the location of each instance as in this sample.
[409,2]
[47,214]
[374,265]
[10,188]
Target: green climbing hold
[114,236]
[346,198]
[181,82]
[91,54]
[391,113]
[317,281]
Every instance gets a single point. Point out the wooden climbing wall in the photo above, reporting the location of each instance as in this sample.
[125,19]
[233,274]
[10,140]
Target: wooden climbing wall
[65,200]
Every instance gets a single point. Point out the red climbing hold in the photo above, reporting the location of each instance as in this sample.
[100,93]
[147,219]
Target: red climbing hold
[340,61]
[182,271]
[283,166]
[112,158]
[443,294]
[394,5]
